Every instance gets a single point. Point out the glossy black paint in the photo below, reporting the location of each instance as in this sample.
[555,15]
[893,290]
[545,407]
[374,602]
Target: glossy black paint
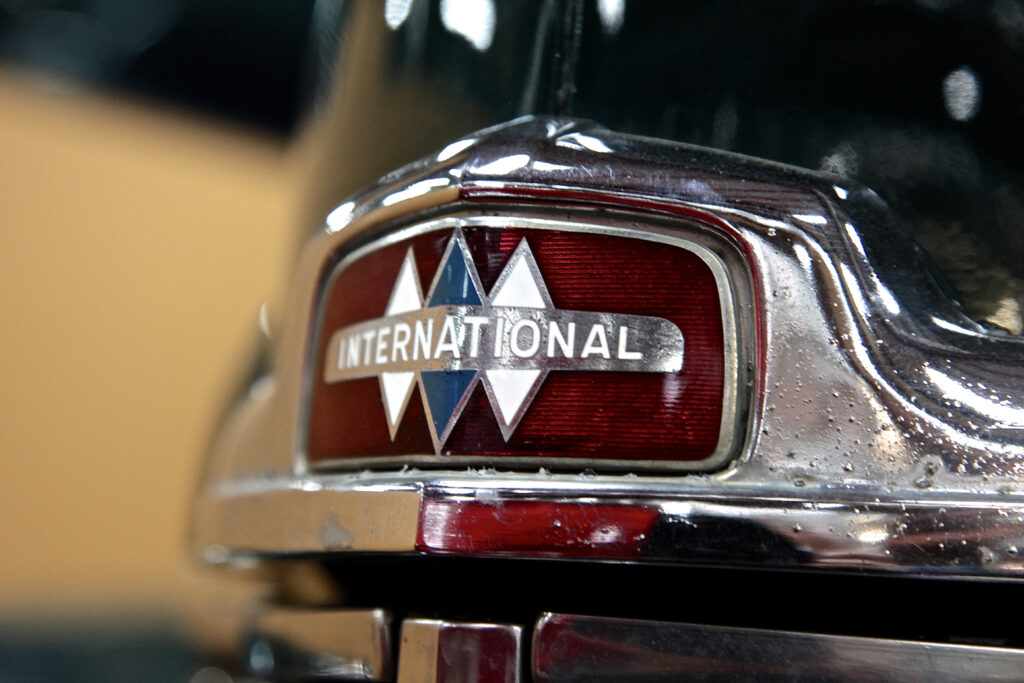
[917,100]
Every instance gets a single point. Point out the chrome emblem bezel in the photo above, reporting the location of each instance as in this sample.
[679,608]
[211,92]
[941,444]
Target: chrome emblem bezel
[715,252]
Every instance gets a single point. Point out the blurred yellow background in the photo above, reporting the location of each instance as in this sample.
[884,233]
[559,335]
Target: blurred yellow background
[137,245]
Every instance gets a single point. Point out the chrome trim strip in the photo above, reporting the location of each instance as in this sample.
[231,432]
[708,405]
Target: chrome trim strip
[433,650]
[300,644]
[268,517]
[575,648]
[930,534]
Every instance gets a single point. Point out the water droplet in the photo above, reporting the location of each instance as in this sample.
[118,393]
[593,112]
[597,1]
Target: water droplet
[848,467]
[923,483]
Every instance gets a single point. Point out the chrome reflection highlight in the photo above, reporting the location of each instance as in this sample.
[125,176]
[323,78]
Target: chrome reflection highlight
[545,167]
[804,258]
[953,327]
[851,232]
[396,12]
[886,297]
[474,20]
[504,165]
[340,217]
[581,141]
[963,395]
[612,14]
[961,93]
[415,190]
[811,219]
[454,148]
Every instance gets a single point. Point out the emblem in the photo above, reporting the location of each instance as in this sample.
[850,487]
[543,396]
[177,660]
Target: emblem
[508,340]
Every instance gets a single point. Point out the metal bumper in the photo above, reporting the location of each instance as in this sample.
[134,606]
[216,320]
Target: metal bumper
[289,644]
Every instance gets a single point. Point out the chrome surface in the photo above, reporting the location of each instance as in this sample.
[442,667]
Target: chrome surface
[927,534]
[277,516]
[287,643]
[885,428]
[575,648]
[434,651]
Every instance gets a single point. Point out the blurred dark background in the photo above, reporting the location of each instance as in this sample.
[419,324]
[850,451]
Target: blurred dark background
[241,59]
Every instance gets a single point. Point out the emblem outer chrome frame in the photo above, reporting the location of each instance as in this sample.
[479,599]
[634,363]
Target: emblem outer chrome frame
[717,254]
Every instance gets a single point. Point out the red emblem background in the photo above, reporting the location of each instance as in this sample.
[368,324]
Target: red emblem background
[594,415]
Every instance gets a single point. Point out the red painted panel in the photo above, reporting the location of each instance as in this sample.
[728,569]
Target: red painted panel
[538,528]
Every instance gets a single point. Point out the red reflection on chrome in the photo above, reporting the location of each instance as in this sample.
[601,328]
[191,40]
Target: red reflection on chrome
[485,653]
[533,528]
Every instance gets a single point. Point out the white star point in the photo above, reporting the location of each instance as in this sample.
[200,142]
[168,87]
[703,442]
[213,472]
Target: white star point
[520,283]
[509,391]
[395,389]
[406,295]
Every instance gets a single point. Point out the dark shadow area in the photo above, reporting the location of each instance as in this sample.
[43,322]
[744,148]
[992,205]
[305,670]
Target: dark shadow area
[106,649]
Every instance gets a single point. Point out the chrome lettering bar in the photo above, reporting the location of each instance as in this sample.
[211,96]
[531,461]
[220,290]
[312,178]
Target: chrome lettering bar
[487,338]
